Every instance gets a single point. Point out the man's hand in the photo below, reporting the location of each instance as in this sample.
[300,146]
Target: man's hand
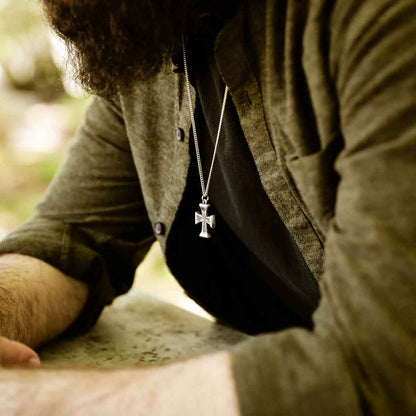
[16,354]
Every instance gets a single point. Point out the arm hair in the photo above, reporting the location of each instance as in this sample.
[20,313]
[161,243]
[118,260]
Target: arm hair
[37,301]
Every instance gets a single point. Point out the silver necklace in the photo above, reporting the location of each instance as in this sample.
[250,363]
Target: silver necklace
[202,217]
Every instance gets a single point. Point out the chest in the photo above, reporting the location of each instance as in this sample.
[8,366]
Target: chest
[288,117]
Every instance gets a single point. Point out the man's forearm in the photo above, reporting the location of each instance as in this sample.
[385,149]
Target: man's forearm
[201,386]
[37,301]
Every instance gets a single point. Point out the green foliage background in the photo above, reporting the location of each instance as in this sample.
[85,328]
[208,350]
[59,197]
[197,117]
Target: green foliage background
[29,76]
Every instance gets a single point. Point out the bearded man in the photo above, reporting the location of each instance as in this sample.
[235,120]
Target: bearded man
[310,206]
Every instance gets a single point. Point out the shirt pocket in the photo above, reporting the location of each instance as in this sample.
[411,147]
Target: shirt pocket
[316,181]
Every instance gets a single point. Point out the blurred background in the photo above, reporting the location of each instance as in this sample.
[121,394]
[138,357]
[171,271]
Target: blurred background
[40,111]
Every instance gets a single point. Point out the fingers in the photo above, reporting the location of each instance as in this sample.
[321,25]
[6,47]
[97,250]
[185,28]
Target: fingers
[16,354]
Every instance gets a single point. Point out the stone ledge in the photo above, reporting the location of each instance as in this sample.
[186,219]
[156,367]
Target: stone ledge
[140,329]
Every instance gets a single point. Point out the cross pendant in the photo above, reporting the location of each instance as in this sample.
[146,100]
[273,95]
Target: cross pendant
[205,220]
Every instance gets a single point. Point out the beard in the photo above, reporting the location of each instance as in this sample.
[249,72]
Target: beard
[114,43]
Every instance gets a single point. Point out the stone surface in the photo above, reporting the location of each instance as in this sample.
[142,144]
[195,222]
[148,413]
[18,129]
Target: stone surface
[140,329]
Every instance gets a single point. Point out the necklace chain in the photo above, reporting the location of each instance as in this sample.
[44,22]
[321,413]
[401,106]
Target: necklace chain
[204,188]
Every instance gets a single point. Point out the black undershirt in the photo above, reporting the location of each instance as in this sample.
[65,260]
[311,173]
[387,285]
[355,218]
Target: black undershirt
[250,274]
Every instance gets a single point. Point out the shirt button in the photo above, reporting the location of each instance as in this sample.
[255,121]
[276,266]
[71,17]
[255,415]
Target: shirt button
[177,68]
[159,228]
[180,134]
[177,63]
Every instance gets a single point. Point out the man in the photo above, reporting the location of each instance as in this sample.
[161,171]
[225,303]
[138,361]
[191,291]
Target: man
[313,181]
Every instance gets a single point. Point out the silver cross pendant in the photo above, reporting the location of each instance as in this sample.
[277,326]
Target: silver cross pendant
[205,220]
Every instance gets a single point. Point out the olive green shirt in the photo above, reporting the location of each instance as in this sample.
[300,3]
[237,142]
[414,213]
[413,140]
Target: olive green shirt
[326,95]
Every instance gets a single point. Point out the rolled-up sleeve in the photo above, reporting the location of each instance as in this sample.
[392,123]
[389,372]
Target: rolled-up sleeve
[361,356]
[92,223]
